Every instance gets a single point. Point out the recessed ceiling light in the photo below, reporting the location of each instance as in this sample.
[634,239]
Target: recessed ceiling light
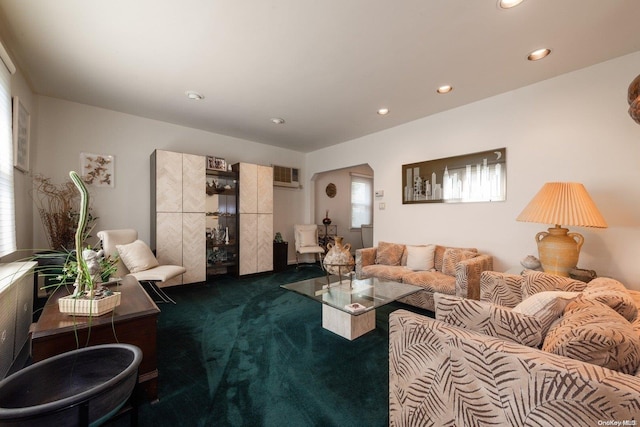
[508,4]
[383,111]
[277,120]
[538,54]
[194,95]
[445,89]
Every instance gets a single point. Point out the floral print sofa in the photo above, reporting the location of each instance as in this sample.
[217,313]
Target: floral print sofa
[435,268]
[536,350]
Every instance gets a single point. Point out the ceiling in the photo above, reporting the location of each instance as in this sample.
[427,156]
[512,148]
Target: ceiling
[324,66]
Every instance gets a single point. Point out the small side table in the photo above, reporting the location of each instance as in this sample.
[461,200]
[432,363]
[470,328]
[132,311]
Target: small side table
[326,235]
[280,254]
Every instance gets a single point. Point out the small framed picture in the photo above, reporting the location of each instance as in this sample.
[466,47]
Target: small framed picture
[216,163]
[21,133]
[97,169]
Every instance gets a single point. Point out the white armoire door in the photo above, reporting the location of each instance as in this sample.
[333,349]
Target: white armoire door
[256,218]
[168,176]
[264,176]
[194,181]
[248,243]
[248,197]
[264,238]
[194,247]
[194,238]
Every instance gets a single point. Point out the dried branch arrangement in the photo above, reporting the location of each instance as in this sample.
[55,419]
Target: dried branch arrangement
[56,205]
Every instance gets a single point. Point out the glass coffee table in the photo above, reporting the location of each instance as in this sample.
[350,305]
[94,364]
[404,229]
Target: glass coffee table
[348,306]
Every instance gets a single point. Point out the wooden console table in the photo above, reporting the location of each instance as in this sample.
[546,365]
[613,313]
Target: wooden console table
[134,321]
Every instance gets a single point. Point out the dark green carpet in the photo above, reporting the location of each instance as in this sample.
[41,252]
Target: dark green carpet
[244,352]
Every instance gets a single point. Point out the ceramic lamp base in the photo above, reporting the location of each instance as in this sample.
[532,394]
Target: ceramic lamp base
[559,250]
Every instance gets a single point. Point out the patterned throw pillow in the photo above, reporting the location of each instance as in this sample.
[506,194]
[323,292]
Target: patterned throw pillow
[421,258]
[546,306]
[592,332]
[612,293]
[489,319]
[538,281]
[389,253]
[452,257]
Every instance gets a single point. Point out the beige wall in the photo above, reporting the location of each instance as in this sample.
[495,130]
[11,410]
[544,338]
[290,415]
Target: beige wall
[571,128]
[66,129]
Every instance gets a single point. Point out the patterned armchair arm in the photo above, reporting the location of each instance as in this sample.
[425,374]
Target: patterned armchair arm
[443,375]
[364,257]
[501,288]
[468,275]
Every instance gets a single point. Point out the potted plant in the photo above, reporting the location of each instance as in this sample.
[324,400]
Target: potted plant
[88,298]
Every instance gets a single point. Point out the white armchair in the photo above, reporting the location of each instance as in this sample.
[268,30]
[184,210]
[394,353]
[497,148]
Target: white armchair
[136,259]
[306,241]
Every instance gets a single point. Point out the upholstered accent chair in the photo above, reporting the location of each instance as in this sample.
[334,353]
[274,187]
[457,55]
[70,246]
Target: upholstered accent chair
[539,350]
[137,259]
[306,241]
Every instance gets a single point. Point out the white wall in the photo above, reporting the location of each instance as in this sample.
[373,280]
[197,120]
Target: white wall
[571,128]
[339,207]
[66,129]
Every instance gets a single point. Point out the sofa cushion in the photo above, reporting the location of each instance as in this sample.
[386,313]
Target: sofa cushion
[432,281]
[452,256]
[420,258]
[593,332]
[489,319]
[389,253]
[385,272]
[612,293]
[439,256]
[547,306]
[538,281]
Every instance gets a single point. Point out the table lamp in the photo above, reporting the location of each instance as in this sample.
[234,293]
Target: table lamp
[566,203]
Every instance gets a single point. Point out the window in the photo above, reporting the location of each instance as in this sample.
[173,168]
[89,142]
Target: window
[361,200]
[7,209]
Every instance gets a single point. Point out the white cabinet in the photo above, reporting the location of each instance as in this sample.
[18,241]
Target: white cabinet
[255,208]
[178,225]
[16,310]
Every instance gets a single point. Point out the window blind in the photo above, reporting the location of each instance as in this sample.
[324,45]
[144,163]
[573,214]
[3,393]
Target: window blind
[7,203]
[361,200]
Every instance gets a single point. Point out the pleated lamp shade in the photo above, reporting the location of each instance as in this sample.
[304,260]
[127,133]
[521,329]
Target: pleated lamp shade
[561,203]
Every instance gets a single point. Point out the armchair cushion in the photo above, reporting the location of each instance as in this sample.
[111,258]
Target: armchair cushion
[538,281]
[389,253]
[593,332]
[546,306]
[137,256]
[489,319]
[612,293]
[161,273]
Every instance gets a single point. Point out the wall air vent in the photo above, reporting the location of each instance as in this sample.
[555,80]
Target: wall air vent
[286,177]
